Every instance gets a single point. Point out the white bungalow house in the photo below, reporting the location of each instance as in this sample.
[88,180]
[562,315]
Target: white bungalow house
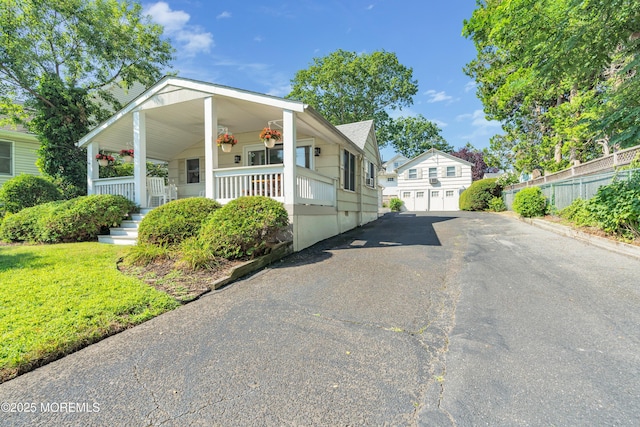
[388,177]
[322,173]
[433,181]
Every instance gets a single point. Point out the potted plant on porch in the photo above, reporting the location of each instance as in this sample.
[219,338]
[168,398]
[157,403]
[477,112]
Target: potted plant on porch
[127,155]
[226,141]
[270,137]
[104,159]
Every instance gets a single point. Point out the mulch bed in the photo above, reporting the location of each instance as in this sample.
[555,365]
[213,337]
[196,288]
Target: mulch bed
[181,283]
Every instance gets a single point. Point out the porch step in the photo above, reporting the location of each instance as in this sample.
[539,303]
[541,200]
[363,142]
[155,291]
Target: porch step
[127,233]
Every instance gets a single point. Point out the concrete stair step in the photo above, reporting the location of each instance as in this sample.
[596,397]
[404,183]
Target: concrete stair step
[120,231]
[117,240]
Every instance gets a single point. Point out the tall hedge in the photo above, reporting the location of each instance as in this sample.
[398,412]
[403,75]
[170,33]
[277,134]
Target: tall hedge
[479,195]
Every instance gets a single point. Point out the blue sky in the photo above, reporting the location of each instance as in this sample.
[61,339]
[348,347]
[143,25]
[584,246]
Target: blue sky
[259,46]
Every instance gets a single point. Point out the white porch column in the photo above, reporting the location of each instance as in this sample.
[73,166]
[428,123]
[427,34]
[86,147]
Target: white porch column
[140,158]
[210,149]
[92,166]
[289,154]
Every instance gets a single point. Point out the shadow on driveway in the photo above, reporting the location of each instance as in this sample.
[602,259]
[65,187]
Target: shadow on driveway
[392,229]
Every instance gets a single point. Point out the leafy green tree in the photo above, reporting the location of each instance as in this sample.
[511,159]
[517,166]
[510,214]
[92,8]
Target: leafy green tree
[412,136]
[348,87]
[58,59]
[560,75]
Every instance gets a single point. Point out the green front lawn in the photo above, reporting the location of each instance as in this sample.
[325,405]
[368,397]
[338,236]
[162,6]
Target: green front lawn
[55,299]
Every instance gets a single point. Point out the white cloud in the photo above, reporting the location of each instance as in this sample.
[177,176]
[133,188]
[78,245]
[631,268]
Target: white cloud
[370,7]
[224,15]
[192,38]
[435,96]
[470,86]
[481,126]
[258,39]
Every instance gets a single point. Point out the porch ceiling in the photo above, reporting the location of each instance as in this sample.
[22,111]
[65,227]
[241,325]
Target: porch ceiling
[172,128]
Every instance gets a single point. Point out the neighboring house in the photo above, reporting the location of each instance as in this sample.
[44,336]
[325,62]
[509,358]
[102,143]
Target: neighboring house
[18,153]
[433,181]
[388,177]
[324,175]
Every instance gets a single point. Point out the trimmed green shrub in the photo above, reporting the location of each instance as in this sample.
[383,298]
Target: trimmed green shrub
[578,212]
[616,207]
[479,194]
[24,226]
[395,204]
[497,205]
[243,227]
[25,191]
[530,202]
[75,220]
[175,221]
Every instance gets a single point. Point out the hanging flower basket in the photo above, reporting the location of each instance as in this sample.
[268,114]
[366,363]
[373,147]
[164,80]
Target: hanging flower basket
[226,141]
[127,155]
[270,137]
[104,159]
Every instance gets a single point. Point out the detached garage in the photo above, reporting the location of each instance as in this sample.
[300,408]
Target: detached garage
[433,181]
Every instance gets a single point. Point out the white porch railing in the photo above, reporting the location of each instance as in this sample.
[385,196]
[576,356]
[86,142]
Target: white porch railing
[311,187]
[314,189]
[122,185]
[232,183]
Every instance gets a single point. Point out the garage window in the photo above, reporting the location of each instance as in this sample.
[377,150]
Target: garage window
[420,194]
[449,193]
[435,194]
[406,195]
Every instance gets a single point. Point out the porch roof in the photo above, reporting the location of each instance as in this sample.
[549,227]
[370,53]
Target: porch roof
[175,117]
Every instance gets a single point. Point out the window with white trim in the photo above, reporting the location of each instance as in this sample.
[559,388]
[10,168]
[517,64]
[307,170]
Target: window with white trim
[5,158]
[451,171]
[449,193]
[349,172]
[193,171]
[390,179]
[406,194]
[419,194]
[433,172]
[435,193]
[413,173]
[370,174]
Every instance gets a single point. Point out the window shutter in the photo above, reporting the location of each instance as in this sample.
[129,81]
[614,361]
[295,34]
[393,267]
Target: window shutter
[458,171]
[419,173]
[406,174]
[442,171]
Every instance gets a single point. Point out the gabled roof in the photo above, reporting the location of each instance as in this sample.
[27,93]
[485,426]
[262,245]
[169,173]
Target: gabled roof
[175,117]
[394,158]
[359,133]
[429,153]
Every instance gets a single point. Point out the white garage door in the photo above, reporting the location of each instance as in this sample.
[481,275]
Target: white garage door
[451,198]
[407,198]
[436,200]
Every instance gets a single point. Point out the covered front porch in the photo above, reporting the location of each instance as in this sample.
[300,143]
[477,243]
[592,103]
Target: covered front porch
[177,121]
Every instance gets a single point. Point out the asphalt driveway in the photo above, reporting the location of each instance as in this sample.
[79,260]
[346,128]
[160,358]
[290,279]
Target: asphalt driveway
[455,319]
